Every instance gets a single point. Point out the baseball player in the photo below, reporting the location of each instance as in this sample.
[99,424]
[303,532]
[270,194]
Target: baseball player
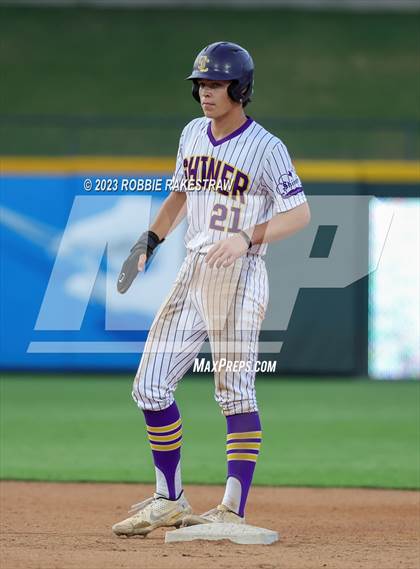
[239,189]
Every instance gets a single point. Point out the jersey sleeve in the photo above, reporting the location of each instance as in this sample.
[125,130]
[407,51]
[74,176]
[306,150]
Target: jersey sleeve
[178,178]
[281,181]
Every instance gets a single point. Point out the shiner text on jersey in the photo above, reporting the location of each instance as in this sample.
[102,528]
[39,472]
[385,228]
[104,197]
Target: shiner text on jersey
[205,170]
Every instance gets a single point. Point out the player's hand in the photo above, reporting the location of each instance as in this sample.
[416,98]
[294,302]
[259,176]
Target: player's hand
[141,263]
[225,252]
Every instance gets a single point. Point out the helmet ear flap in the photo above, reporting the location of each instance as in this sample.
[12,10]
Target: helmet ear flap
[234,91]
[195,90]
[238,93]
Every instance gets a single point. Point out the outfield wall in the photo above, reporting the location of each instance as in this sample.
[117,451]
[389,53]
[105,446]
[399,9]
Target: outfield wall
[63,244]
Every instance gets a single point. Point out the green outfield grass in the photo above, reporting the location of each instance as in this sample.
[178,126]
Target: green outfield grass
[132,63]
[318,433]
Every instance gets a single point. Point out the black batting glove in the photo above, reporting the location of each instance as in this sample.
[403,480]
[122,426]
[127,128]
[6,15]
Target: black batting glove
[145,245]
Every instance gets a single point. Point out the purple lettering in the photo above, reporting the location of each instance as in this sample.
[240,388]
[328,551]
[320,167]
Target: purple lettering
[204,170]
[214,169]
[193,167]
[226,176]
[240,186]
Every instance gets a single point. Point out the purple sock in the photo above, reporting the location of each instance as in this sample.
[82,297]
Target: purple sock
[242,448]
[164,429]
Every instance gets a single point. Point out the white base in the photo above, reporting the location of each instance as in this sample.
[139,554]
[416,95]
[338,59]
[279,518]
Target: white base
[238,533]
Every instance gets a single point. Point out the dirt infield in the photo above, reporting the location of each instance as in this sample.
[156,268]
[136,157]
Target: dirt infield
[60,526]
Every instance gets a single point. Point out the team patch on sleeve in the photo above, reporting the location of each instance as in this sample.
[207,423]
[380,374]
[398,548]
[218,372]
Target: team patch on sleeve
[281,181]
[289,184]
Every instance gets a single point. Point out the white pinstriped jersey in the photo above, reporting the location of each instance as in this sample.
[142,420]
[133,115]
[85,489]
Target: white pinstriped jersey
[233,183]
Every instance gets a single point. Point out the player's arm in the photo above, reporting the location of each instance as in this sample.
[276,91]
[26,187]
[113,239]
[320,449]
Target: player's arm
[169,216]
[282,225]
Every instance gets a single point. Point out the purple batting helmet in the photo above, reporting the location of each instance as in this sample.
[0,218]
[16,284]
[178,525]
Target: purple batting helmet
[228,62]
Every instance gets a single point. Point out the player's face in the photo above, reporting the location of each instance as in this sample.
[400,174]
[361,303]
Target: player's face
[214,98]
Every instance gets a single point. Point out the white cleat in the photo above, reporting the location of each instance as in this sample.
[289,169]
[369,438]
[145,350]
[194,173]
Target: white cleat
[221,515]
[153,513]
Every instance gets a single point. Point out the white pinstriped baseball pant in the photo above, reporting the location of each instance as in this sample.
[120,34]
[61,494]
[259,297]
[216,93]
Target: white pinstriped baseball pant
[225,306]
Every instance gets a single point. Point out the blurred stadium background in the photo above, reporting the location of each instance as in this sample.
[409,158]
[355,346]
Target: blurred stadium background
[95,91]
